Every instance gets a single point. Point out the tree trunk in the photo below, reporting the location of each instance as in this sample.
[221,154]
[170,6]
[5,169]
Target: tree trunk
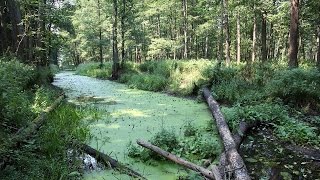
[109,161]
[226,31]
[115,54]
[206,46]
[100,35]
[233,157]
[294,33]
[185,26]
[238,38]
[254,38]
[123,30]
[318,53]
[208,174]
[17,28]
[264,52]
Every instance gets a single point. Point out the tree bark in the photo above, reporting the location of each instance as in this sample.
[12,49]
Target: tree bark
[318,53]
[123,30]
[100,35]
[226,31]
[233,157]
[208,174]
[238,38]
[264,52]
[238,137]
[109,161]
[294,34]
[254,38]
[185,26]
[115,54]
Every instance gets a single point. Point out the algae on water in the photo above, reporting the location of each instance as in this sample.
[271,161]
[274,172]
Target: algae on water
[135,114]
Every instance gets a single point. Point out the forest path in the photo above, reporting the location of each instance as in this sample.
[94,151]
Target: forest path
[131,114]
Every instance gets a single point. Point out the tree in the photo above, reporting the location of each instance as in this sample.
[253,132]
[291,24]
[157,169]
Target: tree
[185,26]
[115,54]
[294,33]
[226,31]
[238,37]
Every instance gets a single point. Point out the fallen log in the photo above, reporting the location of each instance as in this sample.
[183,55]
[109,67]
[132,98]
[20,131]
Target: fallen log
[232,155]
[25,133]
[109,161]
[215,174]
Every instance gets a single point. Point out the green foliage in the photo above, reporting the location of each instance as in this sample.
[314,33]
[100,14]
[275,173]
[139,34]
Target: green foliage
[148,82]
[297,132]
[193,145]
[44,97]
[15,101]
[51,160]
[285,127]
[65,126]
[166,139]
[297,86]
[200,146]
[54,68]
[189,129]
[94,70]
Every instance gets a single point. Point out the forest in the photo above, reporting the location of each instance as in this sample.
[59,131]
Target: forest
[160,89]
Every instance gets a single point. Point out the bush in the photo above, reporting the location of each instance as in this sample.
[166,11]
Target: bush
[148,82]
[15,101]
[94,70]
[165,139]
[201,146]
[295,86]
[285,127]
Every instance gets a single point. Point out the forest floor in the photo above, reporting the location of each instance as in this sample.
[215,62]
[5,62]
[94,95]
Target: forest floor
[131,114]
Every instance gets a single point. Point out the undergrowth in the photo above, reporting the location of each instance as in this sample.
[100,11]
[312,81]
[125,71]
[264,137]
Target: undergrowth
[25,91]
[266,92]
[195,145]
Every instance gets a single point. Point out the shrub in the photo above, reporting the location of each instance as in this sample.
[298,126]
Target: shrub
[201,146]
[148,82]
[295,86]
[15,101]
[189,129]
[166,139]
[94,70]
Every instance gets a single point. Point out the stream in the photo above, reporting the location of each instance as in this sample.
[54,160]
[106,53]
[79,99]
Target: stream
[131,114]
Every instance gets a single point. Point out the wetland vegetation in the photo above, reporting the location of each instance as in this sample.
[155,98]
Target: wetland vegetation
[123,89]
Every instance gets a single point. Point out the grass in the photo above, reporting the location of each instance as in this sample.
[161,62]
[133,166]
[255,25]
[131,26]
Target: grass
[24,92]
[265,92]
[182,78]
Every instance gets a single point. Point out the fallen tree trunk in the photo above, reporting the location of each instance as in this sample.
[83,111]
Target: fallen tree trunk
[109,161]
[205,172]
[232,155]
[25,133]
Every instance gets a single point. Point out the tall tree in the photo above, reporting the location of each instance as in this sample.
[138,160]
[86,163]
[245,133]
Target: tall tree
[185,26]
[264,52]
[226,31]
[318,53]
[254,38]
[115,54]
[294,33]
[100,33]
[238,37]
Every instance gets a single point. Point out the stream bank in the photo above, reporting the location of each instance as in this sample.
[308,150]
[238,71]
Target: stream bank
[131,114]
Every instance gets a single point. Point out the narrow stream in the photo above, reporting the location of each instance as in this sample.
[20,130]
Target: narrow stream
[130,115]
